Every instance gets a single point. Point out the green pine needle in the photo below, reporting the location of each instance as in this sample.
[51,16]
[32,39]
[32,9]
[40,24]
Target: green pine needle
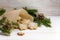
[2,11]
[2,20]
[46,22]
[31,11]
[41,20]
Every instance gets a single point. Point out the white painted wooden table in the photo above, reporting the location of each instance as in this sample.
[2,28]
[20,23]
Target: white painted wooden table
[48,7]
[41,33]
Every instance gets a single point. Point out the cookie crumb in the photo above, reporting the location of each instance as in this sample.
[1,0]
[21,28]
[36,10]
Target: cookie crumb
[20,33]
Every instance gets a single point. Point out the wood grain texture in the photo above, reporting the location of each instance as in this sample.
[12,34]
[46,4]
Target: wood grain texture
[48,7]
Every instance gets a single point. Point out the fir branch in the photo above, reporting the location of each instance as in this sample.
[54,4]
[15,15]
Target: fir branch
[2,20]
[41,19]
[2,11]
[46,22]
[31,11]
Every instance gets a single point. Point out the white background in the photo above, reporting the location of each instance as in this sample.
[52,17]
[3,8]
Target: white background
[48,7]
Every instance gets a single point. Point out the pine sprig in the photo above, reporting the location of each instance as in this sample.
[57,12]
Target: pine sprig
[46,22]
[39,22]
[31,11]
[6,28]
[2,11]
[2,20]
[41,19]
